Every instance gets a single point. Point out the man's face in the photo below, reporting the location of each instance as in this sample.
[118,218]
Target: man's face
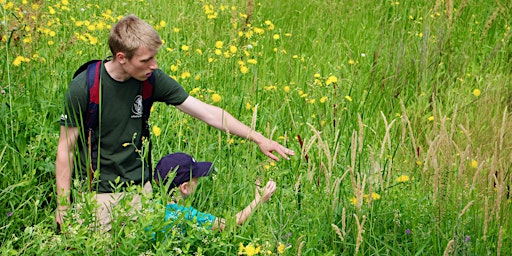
[142,64]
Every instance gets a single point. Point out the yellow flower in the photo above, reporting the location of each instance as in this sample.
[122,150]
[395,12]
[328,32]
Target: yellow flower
[163,23]
[184,47]
[286,89]
[276,36]
[157,131]
[219,44]
[233,49]
[374,195]
[244,69]
[17,61]
[351,62]
[430,118]
[125,144]
[252,61]
[323,99]
[348,98]
[251,250]
[259,31]
[331,79]
[280,248]
[248,105]
[185,75]
[174,68]
[353,200]
[216,98]
[474,163]
[402,178]
[240,248]
[476,92]
[152,109]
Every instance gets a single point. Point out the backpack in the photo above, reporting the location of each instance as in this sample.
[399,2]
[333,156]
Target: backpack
[93,69]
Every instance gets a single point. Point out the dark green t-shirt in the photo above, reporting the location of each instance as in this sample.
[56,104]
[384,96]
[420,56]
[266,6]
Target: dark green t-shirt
[121,123]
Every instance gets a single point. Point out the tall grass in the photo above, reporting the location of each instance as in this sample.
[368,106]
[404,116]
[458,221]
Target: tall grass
[399,114]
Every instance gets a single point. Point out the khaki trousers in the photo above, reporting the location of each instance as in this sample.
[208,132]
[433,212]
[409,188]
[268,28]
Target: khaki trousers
[107,201]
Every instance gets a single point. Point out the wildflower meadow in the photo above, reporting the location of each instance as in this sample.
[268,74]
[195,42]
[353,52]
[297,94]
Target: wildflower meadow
[398,113]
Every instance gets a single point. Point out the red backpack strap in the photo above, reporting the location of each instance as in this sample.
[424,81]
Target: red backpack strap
[93,85]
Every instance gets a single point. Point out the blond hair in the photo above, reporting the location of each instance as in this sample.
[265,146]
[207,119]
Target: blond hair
[131,33]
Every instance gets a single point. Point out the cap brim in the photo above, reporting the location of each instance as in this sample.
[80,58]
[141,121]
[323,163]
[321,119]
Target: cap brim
[202,169]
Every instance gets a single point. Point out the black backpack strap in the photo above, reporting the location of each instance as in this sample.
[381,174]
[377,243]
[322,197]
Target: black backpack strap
[147,102]
[84,67]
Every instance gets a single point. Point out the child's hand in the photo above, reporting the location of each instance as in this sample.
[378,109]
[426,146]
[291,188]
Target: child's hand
[267,191]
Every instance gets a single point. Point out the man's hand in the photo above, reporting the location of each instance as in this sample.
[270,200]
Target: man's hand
[270,146]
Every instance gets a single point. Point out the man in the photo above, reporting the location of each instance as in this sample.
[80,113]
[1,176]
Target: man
[185,172]
[134,45]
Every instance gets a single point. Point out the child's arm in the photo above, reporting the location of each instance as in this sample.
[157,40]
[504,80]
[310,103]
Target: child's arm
[243,215]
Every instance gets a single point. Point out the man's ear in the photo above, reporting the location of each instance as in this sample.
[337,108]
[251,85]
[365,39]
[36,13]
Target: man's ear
[121,57]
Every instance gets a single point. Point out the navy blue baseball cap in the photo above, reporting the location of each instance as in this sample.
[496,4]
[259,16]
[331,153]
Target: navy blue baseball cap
[183,165]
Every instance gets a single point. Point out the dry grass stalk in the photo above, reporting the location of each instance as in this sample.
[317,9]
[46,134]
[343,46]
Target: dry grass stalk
[504,125]
[338,231]
[297,185]
[465,209]
[323,147]
[250,9]
[406,123]
[387,137]
[360,230]
[491,20]
[301,245]
[476,178]
[461,7]
[343,221]
[389,171]
[462,163]
[436,180]
[437,5]
[452,127]
[500,240]
[376,170]
[353,148]
[495,184]
[448,249]
[334,192]
[327,175]
[486,215]
[449,12]
[361,133]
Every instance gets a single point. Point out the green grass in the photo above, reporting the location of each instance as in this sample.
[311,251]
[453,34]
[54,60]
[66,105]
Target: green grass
[422,90]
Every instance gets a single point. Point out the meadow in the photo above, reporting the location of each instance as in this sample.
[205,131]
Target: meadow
[398,112]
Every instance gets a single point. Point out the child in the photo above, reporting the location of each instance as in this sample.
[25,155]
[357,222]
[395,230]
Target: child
[187,172]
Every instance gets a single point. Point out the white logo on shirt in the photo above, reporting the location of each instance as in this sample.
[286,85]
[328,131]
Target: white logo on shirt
[137,107]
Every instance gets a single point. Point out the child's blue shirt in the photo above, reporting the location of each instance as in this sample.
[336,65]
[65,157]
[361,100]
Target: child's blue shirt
[174,211]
